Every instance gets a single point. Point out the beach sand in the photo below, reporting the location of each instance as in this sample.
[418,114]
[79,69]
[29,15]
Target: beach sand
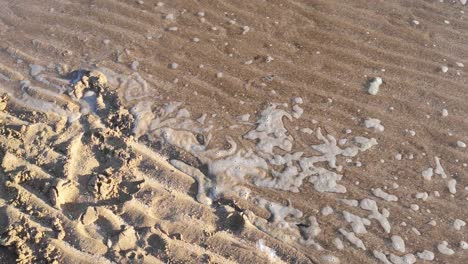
[302,131]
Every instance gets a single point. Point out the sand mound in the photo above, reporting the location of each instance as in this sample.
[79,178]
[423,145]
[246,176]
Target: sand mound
[80,188]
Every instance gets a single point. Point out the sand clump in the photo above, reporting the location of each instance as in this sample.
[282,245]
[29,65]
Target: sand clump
[61,182]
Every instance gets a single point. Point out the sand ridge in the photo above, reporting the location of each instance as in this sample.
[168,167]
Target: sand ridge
[243,132]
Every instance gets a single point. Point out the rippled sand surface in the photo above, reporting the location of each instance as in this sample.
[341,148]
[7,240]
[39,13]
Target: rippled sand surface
[299,131]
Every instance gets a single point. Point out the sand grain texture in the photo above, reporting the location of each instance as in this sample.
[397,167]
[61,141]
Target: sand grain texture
[218,131]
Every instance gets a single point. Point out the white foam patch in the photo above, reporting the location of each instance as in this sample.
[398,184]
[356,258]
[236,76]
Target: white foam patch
[199,177]
[406,259]
[358,224]
[313,229]
[41,105]
[323,179]
[280,212]
[330,150]
[236,167]
[384,195]
[286,158]
[270,135]
[338,243]
[353,239]
[326,181]
[143,116]
[217,153]
[426,255]
[297,111]
[427,174]
[310,232]
[270,131]
[183,139]
[444,248]
[176,128]
[365,143]
[398,243]
[88,103]
[353,203]
[134,86]
[327,210]
[374,85]
[270,164]
[170,116]
[288,179]
[422,195]
[381,256]
[28,100]
[452,186]
[371,205]
[35,70]
[298,100]
[375,124]
[461,144]
[244,118]
[463,245]
[330,259]
[439,169]
[271,253]
[458,224]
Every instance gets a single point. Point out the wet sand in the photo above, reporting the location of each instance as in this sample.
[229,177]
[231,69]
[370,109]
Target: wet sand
[233,131]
